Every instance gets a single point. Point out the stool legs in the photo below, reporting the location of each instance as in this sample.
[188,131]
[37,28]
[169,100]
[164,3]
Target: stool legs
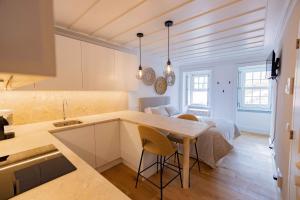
[198,162]
[137,178]
[161,162]
[161,178]
[178,164]
[157,163]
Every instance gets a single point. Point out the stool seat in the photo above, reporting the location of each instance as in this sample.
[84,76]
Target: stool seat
[155,149]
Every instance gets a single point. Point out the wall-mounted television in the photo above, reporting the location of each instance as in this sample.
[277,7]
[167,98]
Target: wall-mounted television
[272,66]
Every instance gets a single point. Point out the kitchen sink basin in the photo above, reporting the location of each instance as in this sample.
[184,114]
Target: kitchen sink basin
[66,123]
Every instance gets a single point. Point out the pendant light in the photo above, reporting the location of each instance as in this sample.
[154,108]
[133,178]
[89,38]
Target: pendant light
[139,74]
[168,68]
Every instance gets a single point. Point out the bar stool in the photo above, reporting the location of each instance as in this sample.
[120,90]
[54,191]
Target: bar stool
[156,143]
[179,140]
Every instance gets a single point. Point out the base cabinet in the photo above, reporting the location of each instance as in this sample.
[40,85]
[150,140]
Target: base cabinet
[107,140]
[102,144]
[81,141]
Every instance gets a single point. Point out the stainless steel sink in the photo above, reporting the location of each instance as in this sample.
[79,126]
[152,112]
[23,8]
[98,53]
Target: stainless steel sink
[67,123]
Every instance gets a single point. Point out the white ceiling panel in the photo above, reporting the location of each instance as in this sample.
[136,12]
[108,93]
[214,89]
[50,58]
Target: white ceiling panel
[147,11]
[67,12]
[191,39]
[104,13]
[188,12]
[215,21]
[203,30]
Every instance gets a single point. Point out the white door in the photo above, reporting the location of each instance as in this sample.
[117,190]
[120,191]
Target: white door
[81,141]
[98,67]
[107,139]
[294,191]
[68,66]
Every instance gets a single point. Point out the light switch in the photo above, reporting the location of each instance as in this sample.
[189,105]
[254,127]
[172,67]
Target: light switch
[289,87]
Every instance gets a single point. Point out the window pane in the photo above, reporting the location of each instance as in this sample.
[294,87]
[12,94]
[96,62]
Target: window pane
[248,92]
[201,79]
[265,83]
[256,75]
[248,75]
[256,92]
[255,100]
[264,101]
[248,83]
[256,83]
[199,97]
[263,75]
[264,92]
[203,86]
[248,100]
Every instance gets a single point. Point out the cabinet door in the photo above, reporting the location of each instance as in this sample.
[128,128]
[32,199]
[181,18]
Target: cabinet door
[107,142]
[126,69]
[68,65]
[81,141]
[98,66]
[27,41]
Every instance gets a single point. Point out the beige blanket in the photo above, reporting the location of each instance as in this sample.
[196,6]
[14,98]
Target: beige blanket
[212,146]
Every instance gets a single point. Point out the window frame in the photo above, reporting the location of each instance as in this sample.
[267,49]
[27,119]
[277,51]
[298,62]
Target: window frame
[189,76]
[242,89]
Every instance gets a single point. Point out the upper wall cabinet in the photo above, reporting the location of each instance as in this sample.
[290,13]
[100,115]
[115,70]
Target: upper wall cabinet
[26,42]
[68,62]
[126,68]
[107,69]
[85,66]
[98,67]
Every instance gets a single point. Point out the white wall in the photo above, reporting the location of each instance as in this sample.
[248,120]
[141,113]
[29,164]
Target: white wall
[285,102]
[148,91]
[224,104]
[254,122]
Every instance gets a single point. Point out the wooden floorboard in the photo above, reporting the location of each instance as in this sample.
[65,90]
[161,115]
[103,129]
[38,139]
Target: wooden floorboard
[246,174]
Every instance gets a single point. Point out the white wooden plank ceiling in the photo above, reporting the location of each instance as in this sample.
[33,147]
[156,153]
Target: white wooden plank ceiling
[203,29]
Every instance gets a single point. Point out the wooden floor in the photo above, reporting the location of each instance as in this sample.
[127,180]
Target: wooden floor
[246,173]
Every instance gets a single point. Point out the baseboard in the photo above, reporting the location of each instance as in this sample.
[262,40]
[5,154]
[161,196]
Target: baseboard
[125,162]
[253,130]
[109,165]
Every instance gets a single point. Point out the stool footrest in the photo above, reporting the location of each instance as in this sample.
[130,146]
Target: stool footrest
[178,173]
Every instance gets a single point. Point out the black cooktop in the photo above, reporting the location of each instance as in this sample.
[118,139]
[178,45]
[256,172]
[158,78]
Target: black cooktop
[29,169]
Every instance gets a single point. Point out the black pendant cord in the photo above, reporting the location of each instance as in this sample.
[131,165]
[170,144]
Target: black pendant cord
[168,44]
[140,53]
[140,35]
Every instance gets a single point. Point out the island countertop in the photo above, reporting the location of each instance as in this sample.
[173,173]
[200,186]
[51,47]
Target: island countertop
[85,182]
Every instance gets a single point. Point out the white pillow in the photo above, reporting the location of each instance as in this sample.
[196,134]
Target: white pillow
[171,110]
[148,110]
[159,111]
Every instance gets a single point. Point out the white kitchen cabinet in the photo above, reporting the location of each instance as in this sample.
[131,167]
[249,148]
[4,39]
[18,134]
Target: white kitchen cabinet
[126,68]
[27,42]
[107,140]
[81,141]
[68,64]
[98,67]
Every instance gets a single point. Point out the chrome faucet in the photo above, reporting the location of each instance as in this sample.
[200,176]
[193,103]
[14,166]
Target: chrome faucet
[64,106]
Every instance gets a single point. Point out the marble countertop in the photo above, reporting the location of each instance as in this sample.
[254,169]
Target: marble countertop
[85,182]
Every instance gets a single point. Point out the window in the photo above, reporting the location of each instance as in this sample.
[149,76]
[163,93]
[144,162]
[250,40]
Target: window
[197,91]
[254,89]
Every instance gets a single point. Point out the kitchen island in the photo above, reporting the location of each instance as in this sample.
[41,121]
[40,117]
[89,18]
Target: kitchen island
[86,182]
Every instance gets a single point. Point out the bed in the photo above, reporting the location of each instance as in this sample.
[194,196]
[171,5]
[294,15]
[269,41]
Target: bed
[212,145]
